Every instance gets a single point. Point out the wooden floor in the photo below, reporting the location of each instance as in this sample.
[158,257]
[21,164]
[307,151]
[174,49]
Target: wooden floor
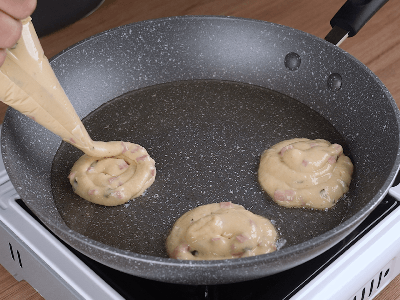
[377,46]
[11,289]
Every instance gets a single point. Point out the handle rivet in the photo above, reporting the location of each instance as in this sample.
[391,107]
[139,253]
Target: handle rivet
[334,82]
[292,61]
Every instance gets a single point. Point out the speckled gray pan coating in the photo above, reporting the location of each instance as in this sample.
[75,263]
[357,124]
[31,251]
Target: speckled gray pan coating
[206,137]
[206,132]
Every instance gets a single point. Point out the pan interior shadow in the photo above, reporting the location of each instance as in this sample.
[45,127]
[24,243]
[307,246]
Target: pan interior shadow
[206,137]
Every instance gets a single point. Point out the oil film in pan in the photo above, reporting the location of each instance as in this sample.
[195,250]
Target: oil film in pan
[206,137]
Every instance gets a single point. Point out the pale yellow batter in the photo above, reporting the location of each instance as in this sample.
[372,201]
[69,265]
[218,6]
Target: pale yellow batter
[220,231]
[28,84]
[305,173]
[113,180]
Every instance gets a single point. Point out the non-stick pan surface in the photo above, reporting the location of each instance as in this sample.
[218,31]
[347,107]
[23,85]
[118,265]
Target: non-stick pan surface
[209,95]
[207,137]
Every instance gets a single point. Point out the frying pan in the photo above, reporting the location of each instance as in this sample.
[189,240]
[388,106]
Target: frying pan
[205,95]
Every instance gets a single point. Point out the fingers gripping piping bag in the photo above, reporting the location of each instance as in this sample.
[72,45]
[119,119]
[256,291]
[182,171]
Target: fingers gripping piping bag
[29,85]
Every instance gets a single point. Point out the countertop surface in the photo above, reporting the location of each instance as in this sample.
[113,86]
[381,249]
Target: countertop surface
[377,45]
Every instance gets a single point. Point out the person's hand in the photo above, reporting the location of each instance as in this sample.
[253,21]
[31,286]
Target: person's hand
[11,12]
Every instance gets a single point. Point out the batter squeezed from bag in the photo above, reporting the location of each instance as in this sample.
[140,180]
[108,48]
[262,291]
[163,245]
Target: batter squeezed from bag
[28,84]
[220,231]
[305,173]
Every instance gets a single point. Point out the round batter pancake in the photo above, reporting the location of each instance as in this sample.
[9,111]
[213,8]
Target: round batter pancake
[305,173]
[113,180]
[220,231]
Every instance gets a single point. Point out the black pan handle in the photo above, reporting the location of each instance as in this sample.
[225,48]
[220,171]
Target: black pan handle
[353,15]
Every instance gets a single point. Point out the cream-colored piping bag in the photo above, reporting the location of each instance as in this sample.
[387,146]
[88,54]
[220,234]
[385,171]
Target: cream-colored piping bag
[29,85]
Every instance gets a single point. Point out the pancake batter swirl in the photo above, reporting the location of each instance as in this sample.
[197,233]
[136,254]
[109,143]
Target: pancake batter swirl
[220,231]
[113,180]
[305,173]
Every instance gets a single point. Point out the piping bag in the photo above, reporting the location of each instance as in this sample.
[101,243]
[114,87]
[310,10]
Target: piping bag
[29,85]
